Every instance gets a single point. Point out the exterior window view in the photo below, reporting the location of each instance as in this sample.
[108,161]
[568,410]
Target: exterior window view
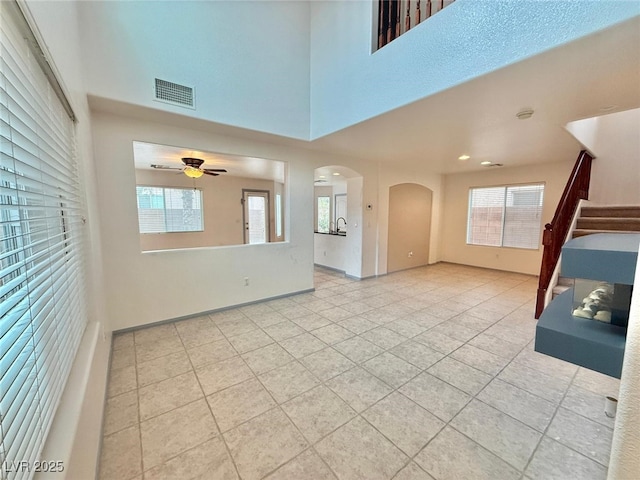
[332,239]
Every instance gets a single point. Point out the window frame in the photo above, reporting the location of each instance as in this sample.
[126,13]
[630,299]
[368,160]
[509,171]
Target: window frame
[504,221]
[164,209]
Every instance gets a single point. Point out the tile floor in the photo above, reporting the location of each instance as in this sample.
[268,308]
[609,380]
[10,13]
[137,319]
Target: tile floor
[427,373]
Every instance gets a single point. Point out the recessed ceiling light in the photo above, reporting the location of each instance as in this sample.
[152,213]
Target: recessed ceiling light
[336,173]
[525,113]
[464,157]
[486,162]
[322,176]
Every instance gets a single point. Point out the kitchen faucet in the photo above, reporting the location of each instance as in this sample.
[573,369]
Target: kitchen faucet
[338,223]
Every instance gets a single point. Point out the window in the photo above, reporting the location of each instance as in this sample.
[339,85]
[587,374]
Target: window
[508,216]
[278,215]
[169,210]
[42,295]
[324,214]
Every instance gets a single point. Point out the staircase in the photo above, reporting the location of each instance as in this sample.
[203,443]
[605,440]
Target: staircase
[619,219]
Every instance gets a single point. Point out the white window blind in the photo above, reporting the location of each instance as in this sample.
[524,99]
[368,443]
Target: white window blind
[42,299]
[164,210]
[507,216]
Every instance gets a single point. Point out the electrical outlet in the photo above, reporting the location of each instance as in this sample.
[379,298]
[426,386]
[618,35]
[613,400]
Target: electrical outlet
[246,281]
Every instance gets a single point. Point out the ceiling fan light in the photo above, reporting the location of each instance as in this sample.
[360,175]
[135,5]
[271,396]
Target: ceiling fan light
[193,172]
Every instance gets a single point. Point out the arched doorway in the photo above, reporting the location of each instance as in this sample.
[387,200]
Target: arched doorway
[409,226]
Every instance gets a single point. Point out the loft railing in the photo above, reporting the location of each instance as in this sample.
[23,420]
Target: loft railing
[396,17]
[555,233]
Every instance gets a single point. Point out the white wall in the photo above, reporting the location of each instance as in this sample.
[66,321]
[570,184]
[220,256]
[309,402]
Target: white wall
[76,431]
[248,60]
[467,39]
[146,287]
[615,141]
[389,176]
[455,209]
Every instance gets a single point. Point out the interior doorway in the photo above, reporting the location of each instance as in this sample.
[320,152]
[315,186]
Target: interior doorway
[255,216]
[409,226]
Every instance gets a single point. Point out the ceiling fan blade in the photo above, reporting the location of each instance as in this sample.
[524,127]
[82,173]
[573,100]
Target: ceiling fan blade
[165,167]
[210,173]
[221,170]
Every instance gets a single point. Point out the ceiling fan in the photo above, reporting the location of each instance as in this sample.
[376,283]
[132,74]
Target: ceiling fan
[192,168]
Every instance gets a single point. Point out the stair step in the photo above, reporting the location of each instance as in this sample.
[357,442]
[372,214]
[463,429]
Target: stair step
[566,282]
[625,211]
[582,232]
[617,224]
[559,289]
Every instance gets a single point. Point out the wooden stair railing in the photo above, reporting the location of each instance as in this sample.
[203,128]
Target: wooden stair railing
[555,232]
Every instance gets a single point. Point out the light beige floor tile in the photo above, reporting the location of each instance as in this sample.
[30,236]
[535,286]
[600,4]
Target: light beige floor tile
[122,340]
[288,381]
[383,337]
[402,421]
[312,321]
[327,363]
[121,412]
[438,397]
[216,376]
[536,382]
[308,466]
[480,359]
[554,461]
[405,327]
[581,434]
[267,358]
[318,412]
[121,381]
[417,354]
[155,334]
[208,460]
[357,324]
[452,456]
[511,440]
[123,357]
[496,346]
[162,368]
[471,322]
[587,404]
[460,375]
[390,369]
[249,341]
[283,330]
[357,307]
[295,311]
[174,432]
[263,444]
[336,314]
[302,345]
[198,331]
[151,349]
[332,334]
[597,382]
[358,349]
[166,395]
[520,404]
[357,451]
[454,330]
[422,318]
[437,341]
[267,319]
[121,456]
[236,326]
[412,472]
[358,388]
[239,403]
[211,353]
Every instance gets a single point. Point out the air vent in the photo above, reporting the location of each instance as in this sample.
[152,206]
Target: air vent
[175,94]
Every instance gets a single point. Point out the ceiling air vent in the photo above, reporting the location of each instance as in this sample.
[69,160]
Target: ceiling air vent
[175,94]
